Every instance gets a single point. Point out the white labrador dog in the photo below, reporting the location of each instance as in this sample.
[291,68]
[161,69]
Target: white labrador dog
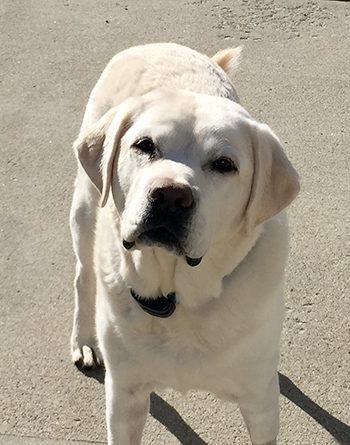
[184,258]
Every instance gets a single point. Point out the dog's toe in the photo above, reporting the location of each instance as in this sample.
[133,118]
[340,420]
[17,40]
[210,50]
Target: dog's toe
[86,357]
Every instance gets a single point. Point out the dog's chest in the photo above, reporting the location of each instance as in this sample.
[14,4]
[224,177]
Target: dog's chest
[185,351]
[196,344]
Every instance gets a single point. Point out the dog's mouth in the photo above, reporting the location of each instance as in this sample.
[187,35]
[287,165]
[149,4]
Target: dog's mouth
[163,237]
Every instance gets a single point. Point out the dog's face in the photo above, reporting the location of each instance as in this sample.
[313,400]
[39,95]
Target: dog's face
[183,173]
[186,170]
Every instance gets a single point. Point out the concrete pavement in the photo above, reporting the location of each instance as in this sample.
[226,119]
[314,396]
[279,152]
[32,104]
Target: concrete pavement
[15,440]
[295,75]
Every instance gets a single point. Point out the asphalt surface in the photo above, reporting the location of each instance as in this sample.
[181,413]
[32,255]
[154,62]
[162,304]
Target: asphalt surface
[295,75]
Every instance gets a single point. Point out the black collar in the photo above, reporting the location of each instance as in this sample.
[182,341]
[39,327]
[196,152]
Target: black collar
[161,307]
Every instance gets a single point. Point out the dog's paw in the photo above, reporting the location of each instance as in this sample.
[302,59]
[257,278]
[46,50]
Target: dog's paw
[86,357]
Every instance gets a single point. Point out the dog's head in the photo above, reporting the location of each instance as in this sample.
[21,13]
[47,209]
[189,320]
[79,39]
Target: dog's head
[186,170]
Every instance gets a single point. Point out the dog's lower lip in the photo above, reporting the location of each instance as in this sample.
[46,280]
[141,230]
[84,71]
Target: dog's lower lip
[160,231]
[193,262]
[160,235]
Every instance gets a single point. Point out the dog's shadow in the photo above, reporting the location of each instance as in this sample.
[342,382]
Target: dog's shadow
[172,420]
[339,430]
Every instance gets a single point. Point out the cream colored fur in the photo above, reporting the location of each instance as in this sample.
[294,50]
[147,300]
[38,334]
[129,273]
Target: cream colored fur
[224,335]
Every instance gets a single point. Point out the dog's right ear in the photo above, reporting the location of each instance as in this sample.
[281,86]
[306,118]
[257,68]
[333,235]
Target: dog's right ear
[97,146]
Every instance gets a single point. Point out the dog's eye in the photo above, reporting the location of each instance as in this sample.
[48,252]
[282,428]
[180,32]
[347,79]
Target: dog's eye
[224,165]
[145,145]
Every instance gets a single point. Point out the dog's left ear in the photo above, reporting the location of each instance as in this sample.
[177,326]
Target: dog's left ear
[228,59]
[275,181]
[97,146]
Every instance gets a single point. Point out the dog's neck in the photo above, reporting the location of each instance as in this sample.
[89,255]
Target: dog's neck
[152,271]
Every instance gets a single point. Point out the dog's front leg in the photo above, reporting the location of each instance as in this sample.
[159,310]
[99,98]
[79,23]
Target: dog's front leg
[260,410]
[126,409]
[84,348]
[270,443]
[262,427]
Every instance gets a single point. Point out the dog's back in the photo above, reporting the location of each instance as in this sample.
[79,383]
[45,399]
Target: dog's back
[138,70]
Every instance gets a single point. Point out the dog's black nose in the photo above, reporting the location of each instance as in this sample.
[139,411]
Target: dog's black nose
[174,197]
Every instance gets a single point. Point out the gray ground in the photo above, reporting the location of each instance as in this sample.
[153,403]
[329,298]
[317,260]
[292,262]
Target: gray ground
[295,75]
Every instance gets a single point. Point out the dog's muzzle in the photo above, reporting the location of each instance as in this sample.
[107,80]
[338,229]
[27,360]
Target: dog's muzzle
[168,216]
